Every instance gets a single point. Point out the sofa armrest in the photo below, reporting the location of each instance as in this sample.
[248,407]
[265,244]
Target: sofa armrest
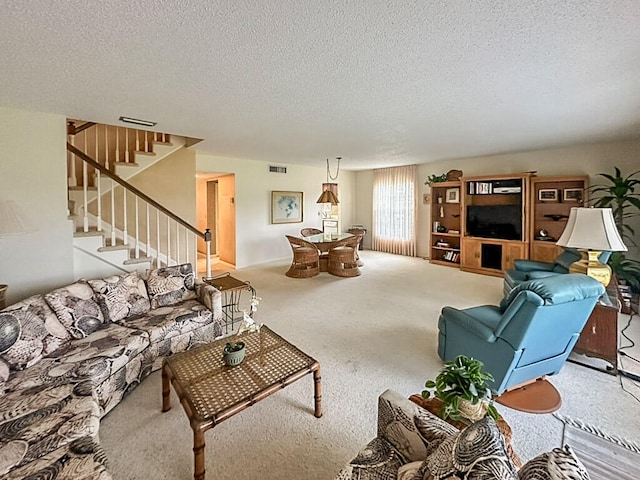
[532,265]
[467,322]
[211,297]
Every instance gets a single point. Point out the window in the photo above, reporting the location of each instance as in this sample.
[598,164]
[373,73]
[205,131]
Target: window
[394,210]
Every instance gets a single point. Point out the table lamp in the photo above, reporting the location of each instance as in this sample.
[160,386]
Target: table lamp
[592,230]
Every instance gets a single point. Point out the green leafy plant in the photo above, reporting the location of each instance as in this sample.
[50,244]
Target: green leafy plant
[233,346]
[619,195]
[436,179]
[461,378]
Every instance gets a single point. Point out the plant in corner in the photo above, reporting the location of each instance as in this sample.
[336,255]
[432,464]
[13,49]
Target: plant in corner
[619,194]
[462,388]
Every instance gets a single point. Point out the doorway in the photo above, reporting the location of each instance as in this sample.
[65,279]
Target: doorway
[217,212]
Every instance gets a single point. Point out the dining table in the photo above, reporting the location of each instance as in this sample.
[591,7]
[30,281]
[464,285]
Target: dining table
[324,242]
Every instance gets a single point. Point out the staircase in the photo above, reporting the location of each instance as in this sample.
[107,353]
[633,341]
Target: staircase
[118,228]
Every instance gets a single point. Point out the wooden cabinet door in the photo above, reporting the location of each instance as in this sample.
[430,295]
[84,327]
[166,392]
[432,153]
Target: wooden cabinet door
[545,252]
[471,253]
[512,252]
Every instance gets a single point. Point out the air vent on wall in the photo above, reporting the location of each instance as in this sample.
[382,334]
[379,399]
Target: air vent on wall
[274,169]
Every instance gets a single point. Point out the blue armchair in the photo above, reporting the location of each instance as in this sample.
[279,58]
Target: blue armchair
[532,270]
[529,335]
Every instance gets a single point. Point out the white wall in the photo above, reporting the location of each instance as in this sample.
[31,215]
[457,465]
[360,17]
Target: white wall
[257,239]
[33,172]
[580,160]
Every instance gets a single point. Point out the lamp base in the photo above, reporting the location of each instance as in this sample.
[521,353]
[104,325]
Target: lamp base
[591,266]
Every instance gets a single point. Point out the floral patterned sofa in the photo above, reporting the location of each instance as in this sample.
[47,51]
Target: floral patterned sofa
[414,444]
[69,356]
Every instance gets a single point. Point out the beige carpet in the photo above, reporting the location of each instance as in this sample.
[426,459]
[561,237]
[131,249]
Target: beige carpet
[370,333]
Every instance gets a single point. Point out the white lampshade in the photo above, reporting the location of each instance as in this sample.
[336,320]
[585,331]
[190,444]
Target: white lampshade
[591,229]
[12,221]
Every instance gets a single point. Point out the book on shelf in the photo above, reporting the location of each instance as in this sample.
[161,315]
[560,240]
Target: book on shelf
[452,256]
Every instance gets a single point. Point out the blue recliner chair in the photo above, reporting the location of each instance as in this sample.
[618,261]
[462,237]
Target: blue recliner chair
[533,270]
[529,335]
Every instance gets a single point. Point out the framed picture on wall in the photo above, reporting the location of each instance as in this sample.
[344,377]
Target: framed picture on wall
[572,195]
[548,195]
[452,195]
[286,207]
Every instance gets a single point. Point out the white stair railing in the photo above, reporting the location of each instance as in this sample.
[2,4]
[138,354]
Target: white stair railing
[110,145]
[168,248]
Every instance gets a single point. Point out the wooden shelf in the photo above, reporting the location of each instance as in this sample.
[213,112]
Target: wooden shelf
[565,192]
[447,214]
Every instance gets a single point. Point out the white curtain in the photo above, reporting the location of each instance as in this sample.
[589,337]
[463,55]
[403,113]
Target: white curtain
[394,210]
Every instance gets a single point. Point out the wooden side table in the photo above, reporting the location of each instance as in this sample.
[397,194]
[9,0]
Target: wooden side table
[599,337]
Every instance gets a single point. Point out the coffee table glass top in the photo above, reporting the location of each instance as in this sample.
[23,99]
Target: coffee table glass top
[212,388]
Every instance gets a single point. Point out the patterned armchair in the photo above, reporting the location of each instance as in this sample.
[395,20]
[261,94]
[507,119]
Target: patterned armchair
[414,444]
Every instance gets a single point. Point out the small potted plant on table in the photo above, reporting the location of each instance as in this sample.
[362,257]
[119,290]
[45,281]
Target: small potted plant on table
[462,388]
[234,351]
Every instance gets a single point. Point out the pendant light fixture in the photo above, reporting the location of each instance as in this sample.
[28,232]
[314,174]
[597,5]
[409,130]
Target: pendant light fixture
[330,190]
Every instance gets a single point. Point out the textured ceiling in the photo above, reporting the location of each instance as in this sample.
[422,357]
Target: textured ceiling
[379,83]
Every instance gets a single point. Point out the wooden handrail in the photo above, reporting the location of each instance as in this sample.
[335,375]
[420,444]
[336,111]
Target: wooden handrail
[206,236]
[73,130]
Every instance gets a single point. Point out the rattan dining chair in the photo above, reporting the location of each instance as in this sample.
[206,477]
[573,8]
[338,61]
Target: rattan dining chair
[342,258]
[306,258]
[307,232]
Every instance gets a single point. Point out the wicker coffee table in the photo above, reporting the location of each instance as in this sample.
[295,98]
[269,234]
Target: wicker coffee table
[211,392]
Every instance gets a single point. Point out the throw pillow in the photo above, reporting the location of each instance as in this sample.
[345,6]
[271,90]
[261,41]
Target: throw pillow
[170,285]
[558,464]
[29,330]
[479,441]
[76,308]
[440,463]
[122,295]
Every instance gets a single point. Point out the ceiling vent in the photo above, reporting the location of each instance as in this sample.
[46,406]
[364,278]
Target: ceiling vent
[274,169]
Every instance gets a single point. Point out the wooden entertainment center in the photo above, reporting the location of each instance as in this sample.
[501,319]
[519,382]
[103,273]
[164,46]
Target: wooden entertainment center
[484,223]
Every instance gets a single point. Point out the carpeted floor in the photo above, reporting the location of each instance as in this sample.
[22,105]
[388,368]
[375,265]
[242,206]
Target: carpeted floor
[370,333]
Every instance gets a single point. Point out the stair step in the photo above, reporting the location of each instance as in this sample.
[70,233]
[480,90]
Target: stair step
[127,164]
[113,248]
[93,232]
[150,154]
[168,144]
[79,189]
[134,261]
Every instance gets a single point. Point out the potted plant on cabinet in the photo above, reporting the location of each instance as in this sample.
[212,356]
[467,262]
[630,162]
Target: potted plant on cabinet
[462,388]
[619,195]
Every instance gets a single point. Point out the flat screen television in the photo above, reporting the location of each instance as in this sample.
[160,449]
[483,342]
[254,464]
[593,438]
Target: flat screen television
[503,222]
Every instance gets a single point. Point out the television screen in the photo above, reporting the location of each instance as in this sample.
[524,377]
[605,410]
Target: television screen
[495,221]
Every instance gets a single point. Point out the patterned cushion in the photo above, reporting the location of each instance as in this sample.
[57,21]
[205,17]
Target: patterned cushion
[476,453]
[76,308]
[122,295]
[94,358]
[82,459]
[170,285]
[479,440]
[558,464]
[29,330]
[396,425]
[167,322]
[378,460]
[30,428]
